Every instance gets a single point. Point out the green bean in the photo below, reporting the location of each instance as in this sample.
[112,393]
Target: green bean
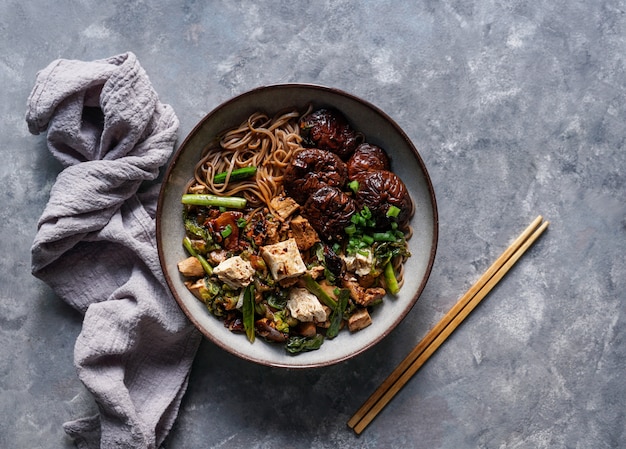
[315,288]
[390,279]
[208,269]
[248,312]
[337,314]
[238,174]
[233,202]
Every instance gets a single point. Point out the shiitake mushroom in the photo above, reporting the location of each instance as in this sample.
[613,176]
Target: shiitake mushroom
[311,169]
[367,157]
[328,129]
[329,210]
[381,189]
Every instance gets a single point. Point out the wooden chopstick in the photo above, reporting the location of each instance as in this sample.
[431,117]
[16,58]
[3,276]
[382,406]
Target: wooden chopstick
[442,330]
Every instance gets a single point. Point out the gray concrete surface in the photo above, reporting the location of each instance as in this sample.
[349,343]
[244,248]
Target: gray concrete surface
[518,110]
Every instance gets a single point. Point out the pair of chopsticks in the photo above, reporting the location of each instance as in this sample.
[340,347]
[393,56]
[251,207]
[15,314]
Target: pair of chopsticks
[438,334]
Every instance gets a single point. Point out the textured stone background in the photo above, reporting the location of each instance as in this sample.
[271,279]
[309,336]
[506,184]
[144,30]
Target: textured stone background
[518,110]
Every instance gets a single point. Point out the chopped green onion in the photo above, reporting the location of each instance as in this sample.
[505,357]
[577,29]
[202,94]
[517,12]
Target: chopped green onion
[399,234]
[390,279]
[241,222]
[228,230]
[214,200]
[350,229]
[354,186]
[393,211]
[238,174]
[384,237]
[368,239]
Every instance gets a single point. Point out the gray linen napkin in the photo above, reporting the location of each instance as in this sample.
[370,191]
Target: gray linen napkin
[96,245]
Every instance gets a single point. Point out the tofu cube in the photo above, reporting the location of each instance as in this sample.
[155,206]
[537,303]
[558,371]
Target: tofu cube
[304,306]
[303,232]
[284,206]
[359,320]
[283,259]
[235,271]
[191,267]
[360,264]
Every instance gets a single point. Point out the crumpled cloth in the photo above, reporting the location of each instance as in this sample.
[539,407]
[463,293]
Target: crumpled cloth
[96,246]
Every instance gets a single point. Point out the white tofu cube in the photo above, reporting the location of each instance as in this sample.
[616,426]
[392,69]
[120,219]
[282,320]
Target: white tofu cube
[235,272]
[304,306]
[359,263]
[284,259]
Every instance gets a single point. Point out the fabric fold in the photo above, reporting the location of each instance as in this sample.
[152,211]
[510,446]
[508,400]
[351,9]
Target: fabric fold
[96,246]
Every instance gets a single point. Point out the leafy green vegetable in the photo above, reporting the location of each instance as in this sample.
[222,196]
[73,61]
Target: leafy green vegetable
[209,290]
[276,301]
[385,251]
[193,228]
[260,308]
[282,321]
[298,344]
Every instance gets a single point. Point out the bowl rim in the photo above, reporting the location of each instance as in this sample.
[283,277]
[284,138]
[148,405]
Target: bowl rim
[171,166]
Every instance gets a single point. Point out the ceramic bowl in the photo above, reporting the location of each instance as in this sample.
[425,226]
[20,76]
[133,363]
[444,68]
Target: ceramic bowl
[380,130]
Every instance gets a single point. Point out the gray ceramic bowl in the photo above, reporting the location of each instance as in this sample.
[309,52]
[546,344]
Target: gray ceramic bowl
[379,129]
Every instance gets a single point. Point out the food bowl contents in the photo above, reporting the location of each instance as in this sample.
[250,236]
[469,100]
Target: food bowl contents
[296,228]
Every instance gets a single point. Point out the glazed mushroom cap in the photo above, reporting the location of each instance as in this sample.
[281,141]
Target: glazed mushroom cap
[329,130]
[329,211]
[367,157]
[381,189]
[312,169]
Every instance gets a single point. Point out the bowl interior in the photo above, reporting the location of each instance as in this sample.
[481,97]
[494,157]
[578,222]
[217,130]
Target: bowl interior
[380,130]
